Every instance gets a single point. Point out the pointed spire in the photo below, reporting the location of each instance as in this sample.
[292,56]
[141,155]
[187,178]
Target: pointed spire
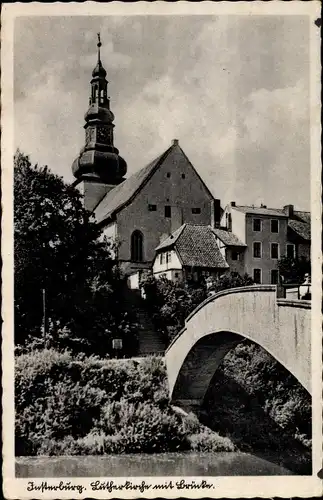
[99,69]
[99,44]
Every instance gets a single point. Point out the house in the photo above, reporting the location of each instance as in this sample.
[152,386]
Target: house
[167,200]
[231,248]
[138,212]
[257,237]
[189,253]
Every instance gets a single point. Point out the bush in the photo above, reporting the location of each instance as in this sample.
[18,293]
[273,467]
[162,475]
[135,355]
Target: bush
[69,404]
[229,280]
[170,303]
[210,441]
[258,403]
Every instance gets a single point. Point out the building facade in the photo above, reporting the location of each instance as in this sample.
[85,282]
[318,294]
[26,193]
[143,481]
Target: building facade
[268,234]
[191,254]
[141,211]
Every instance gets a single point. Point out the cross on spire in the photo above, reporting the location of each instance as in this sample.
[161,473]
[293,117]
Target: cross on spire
[99,44]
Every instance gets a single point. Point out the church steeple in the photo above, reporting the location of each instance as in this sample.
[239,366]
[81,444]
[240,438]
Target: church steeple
[99,160]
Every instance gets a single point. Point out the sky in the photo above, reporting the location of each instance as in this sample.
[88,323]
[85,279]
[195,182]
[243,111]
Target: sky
[234,90]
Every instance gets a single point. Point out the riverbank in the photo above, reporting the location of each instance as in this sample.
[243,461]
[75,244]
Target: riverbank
[78,405]
[67,405]
[147,465]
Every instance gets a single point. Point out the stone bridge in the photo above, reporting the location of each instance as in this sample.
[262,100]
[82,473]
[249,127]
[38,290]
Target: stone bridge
[281,326]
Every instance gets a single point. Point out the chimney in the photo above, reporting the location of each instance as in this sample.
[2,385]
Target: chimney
[233,203]
[215,213]
[289,210]
[175,142]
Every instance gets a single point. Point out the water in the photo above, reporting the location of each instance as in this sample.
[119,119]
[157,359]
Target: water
[164,464]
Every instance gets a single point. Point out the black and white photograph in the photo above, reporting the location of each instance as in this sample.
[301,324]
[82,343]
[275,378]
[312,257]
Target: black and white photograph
[161,250]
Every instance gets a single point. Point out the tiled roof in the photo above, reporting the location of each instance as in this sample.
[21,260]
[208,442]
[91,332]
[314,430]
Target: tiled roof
[303,216]
[171,239]
[196,246]
[228,238]
[300,223]
[275,212]
[120,195]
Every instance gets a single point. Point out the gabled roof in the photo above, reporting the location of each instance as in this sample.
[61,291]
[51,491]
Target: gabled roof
[300,223]
[275,212]
[123,194]
[302,229]
[171,239]
[228,238]
[196,247]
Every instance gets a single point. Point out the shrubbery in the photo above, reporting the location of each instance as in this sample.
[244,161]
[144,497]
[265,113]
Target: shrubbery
[170,303]
[258,403]
[79,405]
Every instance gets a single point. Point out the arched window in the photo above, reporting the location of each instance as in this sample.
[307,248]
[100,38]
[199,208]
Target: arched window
[137,241]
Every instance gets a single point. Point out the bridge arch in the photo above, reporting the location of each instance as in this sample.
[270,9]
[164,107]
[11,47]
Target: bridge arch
[282,327]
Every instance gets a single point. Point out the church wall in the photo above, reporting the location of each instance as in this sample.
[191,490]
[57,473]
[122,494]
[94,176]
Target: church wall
[181,194]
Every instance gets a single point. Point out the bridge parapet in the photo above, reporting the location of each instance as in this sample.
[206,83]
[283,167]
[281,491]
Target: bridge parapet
[281,326]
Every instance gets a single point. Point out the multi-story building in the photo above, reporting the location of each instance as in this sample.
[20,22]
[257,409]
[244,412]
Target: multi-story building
[255,238]
[141,212]
[144,209]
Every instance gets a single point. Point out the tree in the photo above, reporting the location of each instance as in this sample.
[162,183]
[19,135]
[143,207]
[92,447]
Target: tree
[60,255]
[293,269]
[230,280]
[170,303]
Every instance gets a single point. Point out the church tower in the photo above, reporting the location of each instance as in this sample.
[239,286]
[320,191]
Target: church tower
[98,168]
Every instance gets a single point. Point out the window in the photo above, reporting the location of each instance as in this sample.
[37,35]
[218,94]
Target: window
[257,250]
[168,175]
[168,211]
[235,255]
[274,225]
[196,210]
[257,276]
[257,224]
[274,250]
[168,257]
[290,250]
[183,176]
[176,275]
[152,208]
[137,240]
[161,258]
[274,276]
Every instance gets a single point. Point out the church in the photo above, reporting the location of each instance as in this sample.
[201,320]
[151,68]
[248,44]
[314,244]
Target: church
[139,212]
[164,217]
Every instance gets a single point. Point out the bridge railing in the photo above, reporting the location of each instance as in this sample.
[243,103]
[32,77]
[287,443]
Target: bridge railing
[213,296]
[287,294]
[294,291]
